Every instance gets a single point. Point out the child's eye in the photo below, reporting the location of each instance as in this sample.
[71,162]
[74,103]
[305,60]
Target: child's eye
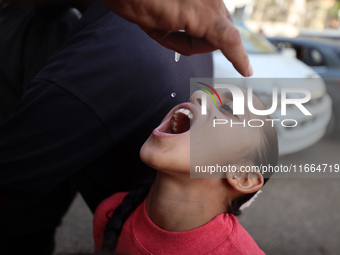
[227,108]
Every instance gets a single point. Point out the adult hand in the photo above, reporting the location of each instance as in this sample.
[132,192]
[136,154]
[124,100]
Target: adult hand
[207,25]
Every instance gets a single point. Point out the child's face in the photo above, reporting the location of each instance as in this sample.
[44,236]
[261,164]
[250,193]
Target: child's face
[174,147]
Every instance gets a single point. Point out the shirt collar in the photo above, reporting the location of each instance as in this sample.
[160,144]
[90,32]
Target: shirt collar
[159,241]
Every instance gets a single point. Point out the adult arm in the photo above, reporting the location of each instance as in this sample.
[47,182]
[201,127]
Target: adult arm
[47,141]
[207,26]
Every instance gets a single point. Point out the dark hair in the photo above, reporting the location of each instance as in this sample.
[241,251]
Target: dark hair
[266,154]
[115,224]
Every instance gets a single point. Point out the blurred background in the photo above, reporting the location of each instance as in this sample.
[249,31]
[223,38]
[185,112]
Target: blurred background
[285,39]
[286,17]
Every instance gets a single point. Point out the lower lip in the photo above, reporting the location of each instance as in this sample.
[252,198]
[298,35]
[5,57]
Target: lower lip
[157,133]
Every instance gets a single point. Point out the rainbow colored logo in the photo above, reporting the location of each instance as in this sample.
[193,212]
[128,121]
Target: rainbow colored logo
[209,93]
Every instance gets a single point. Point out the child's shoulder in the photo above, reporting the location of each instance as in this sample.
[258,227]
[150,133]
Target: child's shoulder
[242,242]
[110,203]
[103,211]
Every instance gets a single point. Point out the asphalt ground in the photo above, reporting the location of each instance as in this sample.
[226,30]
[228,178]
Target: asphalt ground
[292,215]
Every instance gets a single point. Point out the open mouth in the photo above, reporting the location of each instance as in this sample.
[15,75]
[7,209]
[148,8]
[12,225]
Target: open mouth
[177,124]
[180,122]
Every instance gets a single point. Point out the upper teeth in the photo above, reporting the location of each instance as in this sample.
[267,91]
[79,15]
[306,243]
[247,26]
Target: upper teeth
[179,116]
[184,111]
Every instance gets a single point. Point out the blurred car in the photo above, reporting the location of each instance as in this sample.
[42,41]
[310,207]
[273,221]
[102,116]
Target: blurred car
[272,69]
[324,57]
[328,33]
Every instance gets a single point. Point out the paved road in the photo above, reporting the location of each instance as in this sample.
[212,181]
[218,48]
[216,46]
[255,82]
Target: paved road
[299,216]
[291,216]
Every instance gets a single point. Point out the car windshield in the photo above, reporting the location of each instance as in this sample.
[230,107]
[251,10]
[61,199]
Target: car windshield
[254,43]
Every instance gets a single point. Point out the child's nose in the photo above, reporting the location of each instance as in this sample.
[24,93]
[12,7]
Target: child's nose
[198,97]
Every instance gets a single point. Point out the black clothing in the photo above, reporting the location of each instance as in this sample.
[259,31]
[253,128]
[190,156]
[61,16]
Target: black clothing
[87,113]
[29,35]
[85,116]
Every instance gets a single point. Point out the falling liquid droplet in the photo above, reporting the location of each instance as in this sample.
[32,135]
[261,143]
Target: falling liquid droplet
[177,56]
[173,94]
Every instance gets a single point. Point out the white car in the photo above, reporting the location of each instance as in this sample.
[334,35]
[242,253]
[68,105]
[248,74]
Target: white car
[272,69]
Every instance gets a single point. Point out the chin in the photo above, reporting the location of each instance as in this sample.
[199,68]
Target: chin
[150,153]
[162,160]
[145,154]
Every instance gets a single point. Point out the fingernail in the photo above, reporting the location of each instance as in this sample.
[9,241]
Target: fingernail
[250,70]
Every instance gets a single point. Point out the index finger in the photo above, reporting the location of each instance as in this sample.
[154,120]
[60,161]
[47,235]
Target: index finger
[227,38]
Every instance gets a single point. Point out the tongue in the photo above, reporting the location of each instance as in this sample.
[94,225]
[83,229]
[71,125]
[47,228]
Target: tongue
[181,125]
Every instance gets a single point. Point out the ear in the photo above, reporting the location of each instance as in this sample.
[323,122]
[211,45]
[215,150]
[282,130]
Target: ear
[245,183]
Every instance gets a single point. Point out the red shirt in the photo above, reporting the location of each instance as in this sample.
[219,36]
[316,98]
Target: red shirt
[222,235]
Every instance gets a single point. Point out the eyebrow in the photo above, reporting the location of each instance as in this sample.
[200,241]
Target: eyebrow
[229,96]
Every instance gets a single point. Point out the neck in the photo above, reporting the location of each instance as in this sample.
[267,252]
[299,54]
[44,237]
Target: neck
[181,203]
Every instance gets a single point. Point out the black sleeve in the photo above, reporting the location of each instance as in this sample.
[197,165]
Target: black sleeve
[30,35]
[50,137]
